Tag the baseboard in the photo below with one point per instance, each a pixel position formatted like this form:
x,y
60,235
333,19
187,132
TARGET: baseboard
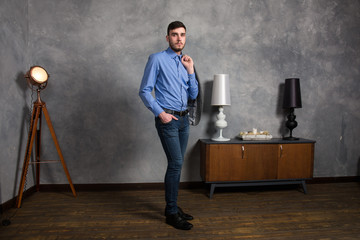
x,y
116,186
333,179
12,202
144,186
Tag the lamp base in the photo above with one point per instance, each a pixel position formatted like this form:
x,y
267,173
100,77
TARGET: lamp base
x,y
291,138
221,124
221,139
291,124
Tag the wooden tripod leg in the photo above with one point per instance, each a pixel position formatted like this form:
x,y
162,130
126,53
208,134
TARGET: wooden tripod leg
x,y
51,128
37,153
29,146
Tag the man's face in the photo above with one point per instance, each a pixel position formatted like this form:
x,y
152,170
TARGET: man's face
x,y
177,39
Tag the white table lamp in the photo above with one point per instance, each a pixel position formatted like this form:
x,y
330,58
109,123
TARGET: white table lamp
x,y
221,97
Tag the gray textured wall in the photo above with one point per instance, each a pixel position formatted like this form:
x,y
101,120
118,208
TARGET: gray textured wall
x,y
96,51
13,97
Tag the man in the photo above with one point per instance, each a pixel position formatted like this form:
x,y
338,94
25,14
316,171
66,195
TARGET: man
x,y
171,75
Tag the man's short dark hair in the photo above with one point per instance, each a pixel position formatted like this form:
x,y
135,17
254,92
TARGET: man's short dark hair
x,y
174,25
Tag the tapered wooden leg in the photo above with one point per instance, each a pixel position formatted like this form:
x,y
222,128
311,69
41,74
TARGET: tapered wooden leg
x,y
37,153
29,146
51,128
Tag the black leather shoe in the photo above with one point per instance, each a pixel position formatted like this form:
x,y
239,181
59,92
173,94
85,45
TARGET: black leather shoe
x,y
178,222
183,215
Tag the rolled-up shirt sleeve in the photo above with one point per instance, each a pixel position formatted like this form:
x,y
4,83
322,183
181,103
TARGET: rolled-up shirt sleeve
x,y
147,85
193,87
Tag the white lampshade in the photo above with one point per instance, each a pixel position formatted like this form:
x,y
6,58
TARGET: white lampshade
x,y
221,90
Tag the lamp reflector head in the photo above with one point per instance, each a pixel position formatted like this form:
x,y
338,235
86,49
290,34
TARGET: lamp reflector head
x,y
38,74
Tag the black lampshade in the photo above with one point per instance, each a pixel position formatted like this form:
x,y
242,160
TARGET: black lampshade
x,y
292,94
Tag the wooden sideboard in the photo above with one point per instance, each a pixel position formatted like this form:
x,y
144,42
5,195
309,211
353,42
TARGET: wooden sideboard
x,y
256,162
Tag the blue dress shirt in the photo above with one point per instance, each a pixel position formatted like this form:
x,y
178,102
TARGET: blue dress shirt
x,y
173,85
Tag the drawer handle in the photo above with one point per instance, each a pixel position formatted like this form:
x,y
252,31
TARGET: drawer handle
x,y
281,150
242,152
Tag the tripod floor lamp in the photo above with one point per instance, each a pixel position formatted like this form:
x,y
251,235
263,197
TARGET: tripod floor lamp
x,y
38,77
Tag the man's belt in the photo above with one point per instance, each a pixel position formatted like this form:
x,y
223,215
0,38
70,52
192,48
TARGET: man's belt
x,y
181,114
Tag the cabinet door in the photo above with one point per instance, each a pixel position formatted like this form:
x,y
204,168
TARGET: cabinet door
x,y
259,162
222,162
296,160
239,162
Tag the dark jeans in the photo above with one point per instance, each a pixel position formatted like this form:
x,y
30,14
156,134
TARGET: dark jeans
x,y
174,138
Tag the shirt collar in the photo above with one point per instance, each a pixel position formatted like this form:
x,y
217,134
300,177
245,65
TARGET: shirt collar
x,y
171,53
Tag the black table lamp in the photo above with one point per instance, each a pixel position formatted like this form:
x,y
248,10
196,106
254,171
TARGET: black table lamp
x,y
292,99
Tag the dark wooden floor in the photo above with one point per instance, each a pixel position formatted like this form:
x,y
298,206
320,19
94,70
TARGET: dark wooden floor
x,y
328,211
